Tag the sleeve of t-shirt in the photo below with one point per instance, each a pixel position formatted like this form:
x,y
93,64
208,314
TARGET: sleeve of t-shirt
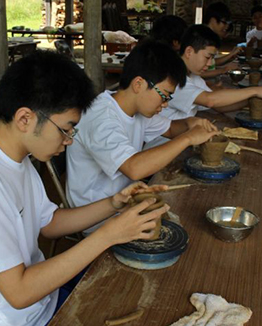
x,y
156,126
183,98
108,144
47,208
10,254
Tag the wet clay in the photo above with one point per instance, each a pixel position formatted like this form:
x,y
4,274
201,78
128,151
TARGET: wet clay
x,y
248,52
213,150
136,199
254,63
255,108
254,78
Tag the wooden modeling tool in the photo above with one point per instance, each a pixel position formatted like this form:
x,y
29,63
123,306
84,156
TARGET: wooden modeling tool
x,y
236,215
125,319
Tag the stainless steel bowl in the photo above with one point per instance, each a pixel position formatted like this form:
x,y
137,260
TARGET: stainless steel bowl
x,y
237,75
230,232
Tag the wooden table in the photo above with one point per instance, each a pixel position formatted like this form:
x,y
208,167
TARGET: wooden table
x,y
20,48
233,270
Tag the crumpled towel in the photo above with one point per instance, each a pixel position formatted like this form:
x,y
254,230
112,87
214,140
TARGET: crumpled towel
x,y
213,310
119,37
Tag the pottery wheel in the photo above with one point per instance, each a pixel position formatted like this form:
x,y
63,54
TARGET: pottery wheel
x,y
245,120
216,174
155,254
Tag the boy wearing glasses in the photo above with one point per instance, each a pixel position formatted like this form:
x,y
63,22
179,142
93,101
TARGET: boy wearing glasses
x,y
198,47
42,97
107,153
218,18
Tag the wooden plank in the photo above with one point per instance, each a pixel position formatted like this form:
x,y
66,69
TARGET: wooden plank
x,y
3,39
92,42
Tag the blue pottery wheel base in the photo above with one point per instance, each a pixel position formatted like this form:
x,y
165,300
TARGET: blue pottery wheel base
x,y
145,265
227,170
245,120
155,254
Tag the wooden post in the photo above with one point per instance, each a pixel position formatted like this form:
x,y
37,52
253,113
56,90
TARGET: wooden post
x,y
3,39
69,18
48,12
171,7
92,42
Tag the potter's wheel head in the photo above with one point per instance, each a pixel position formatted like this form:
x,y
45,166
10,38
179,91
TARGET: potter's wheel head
x,y
217,174
244,119
155,254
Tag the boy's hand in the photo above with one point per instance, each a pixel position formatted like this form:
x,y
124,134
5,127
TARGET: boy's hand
x,y
120,199
192,122
130,225
230,66
252,41
236,50
199,135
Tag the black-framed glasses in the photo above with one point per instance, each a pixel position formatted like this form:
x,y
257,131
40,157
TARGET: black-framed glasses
x,y
226,22
164,97
70,135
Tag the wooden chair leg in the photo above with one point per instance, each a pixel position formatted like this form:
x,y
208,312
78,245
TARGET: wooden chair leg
x,y
53,248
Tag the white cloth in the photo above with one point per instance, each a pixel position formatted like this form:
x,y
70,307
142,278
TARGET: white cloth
x,y
213,310
252,33
24,210
107,137
182,103
119,37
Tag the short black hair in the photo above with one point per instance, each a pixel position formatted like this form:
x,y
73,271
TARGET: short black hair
x,y
217,10
199,37
44,81
154,61
169,28
256,9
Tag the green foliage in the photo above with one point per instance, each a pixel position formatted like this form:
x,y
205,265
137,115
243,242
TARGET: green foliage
x,y
26,13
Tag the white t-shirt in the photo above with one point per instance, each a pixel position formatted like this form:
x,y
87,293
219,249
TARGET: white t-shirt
x,y
107,137
252,33
24,210
182,105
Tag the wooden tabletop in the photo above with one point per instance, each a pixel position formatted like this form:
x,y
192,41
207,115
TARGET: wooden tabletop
x,y
233,270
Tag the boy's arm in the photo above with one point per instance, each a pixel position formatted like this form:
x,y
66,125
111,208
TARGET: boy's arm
x,y
150,161
225,58
219,70
22,286
227,97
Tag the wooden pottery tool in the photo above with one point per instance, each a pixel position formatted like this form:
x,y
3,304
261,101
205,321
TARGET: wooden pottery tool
x,y
236,215
125,319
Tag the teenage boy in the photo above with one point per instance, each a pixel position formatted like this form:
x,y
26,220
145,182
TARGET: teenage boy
x,y
169,29
107,152
256,33
198,47
42,97
218,18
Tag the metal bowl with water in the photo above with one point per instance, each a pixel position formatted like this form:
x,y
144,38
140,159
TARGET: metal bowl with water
x,y
219,220
237,75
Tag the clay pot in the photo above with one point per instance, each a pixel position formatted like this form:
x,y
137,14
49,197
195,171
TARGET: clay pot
x,y
213,150
249,52
254,78
255,108
254,63
136,199
259,44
